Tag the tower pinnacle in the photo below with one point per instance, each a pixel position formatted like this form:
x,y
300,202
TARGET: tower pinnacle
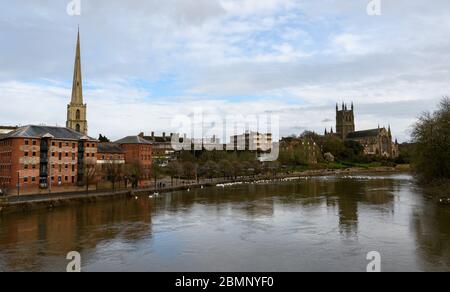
x,y
77,87
76,110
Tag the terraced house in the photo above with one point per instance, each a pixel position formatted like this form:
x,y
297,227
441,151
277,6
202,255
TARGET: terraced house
x,y
42,159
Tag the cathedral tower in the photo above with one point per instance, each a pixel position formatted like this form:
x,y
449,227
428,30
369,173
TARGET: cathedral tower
x,y
76,110
345,121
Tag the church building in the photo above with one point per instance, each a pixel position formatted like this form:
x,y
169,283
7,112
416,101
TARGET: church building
x,y
76,110
376,142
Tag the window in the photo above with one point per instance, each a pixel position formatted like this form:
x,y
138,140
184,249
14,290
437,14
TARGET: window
x,y
27,142
25,179
60,144
66,178
34,142
78,115
33,179
26,154
25,166
78,128
34,154
60,156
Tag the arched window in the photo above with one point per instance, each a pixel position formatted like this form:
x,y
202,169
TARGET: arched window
x,y
78,115
78,128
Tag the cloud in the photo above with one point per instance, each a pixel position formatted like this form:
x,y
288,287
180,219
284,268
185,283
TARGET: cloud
x,y
144,60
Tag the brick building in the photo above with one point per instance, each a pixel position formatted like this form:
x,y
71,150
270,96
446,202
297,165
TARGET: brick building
x,y
110,153
162,150
6,129
138,154
41,159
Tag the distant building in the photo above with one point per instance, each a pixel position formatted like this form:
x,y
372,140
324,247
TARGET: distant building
x,y
376,142
299,148
162,150
251,141
40,158
345,121
77,110
138,152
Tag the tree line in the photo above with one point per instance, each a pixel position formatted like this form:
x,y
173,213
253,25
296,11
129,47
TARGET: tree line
x,y
431,138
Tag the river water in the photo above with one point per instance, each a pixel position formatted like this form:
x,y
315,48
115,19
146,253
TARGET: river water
x,y
315,224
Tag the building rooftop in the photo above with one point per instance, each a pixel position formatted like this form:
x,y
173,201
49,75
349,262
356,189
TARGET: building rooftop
x,y
363,134
8,128
37,132
133,140
158,139
109,148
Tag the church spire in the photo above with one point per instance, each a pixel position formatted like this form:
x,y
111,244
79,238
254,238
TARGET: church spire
x,y
77,87
77,110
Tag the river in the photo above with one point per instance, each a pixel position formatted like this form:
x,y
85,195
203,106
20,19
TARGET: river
x,y
315,224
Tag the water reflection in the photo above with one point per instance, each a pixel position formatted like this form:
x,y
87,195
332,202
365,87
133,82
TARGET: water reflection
x,y
309,224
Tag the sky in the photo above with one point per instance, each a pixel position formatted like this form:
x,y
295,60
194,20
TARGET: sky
x,y
146,61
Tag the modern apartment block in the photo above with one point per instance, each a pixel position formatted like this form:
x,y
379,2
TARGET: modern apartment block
x,y
251,141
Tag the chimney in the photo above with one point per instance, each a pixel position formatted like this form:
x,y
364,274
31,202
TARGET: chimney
x,y
153,135
141,134
164,135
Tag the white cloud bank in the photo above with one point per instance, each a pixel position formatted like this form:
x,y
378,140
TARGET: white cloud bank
x,y
143,61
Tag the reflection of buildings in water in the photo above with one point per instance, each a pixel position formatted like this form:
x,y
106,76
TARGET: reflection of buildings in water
x,y
83,228
49,236
348,194
251,200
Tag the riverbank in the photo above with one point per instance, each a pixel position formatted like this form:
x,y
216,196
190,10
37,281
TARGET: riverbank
x,y
438,191
29,203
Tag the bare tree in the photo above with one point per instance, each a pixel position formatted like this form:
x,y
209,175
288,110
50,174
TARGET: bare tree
x,y
156,173
190,170
90,175
174,169
114,173
226,168
135,172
